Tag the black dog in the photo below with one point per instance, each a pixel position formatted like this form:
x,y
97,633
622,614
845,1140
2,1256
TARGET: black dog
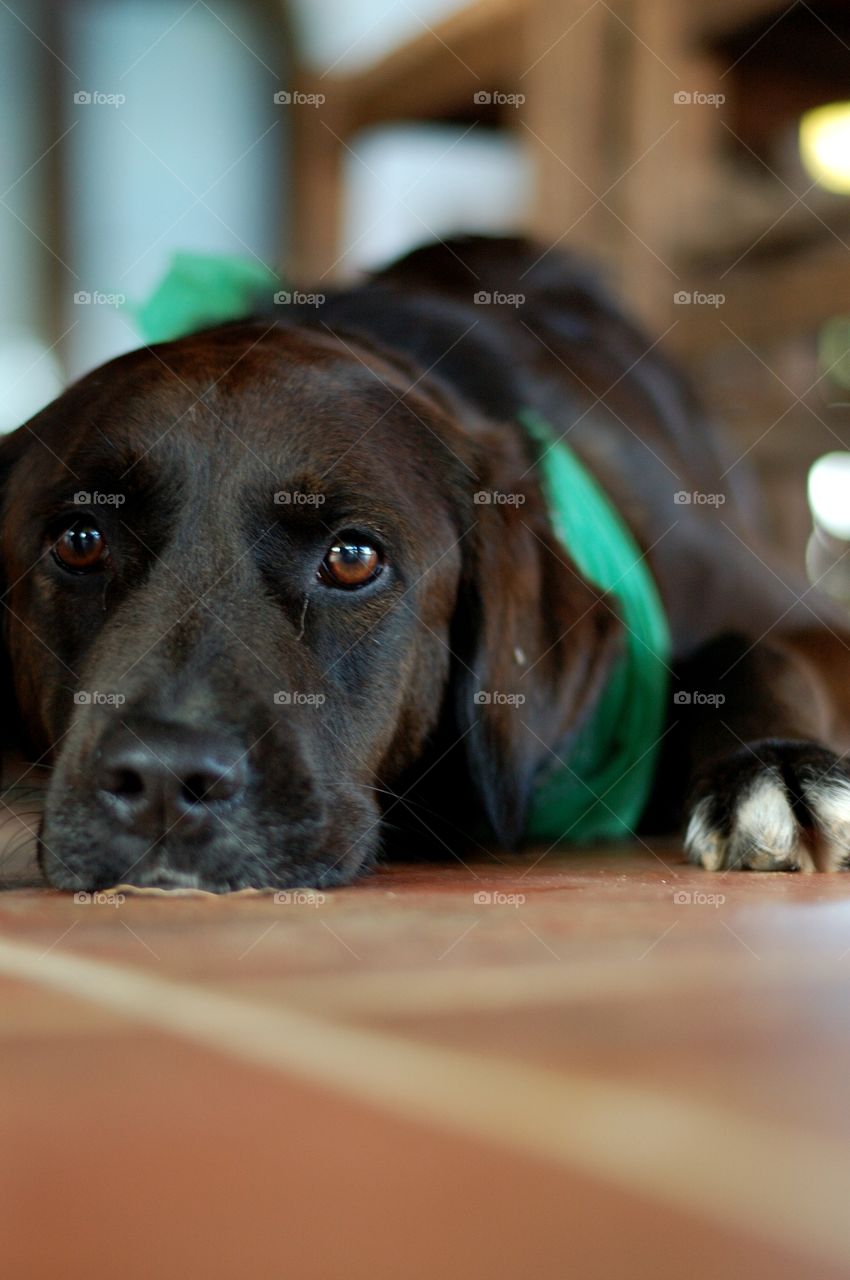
x,y
250,599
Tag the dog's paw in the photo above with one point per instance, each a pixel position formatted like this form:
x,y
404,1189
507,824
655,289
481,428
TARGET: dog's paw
x,y
772,806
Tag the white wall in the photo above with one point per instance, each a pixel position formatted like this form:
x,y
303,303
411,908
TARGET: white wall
x,y
191,159
29,371
411,183
348,34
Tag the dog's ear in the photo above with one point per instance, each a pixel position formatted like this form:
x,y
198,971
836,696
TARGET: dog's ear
x,y
533,642
12,448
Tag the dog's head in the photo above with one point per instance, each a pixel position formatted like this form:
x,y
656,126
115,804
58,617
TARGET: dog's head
x,y
249,579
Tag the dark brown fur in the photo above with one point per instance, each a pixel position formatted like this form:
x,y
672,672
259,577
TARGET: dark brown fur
x,y
396,402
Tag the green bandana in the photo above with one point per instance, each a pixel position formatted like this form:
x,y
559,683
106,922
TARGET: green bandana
x,y
601,790
200,290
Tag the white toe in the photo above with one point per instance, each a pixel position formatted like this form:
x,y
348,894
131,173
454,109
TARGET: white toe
x,y
703,842
765,833
829,801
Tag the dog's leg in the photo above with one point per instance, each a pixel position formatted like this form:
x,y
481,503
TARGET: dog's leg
x,y
768,728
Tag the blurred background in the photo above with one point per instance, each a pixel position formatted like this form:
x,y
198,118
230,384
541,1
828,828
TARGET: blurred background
x,y
699,153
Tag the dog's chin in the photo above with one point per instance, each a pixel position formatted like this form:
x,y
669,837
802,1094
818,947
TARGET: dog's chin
x,y
164,876
210,871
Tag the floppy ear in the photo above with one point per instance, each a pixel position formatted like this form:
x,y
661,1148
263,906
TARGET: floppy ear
x,y
534,642
12,447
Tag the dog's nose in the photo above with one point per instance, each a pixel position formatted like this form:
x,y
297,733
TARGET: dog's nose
x,y
153,775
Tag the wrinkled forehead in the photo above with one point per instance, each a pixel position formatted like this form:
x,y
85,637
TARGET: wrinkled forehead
x,y
245,412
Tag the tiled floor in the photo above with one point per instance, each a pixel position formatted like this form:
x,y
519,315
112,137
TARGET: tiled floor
x,y
602,1065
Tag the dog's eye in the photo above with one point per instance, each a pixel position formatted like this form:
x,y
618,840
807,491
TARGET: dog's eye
x,y
352,561
81,547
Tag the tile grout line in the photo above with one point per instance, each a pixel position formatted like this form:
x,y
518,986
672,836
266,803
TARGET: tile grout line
x,y
755,1177
503,989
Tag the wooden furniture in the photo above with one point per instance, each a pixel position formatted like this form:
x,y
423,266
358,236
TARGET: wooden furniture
x,y
666,195
704,197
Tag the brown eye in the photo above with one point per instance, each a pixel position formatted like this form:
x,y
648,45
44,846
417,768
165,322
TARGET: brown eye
x,y
351,562
81,547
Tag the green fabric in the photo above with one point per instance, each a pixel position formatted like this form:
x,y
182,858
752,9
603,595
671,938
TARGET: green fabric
x,y
600,791
200,290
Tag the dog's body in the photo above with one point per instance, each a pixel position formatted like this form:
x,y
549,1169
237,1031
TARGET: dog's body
x,y
290,668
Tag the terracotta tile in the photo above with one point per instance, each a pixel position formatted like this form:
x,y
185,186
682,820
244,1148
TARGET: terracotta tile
x,y
133,1152
26,1013
148,1157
